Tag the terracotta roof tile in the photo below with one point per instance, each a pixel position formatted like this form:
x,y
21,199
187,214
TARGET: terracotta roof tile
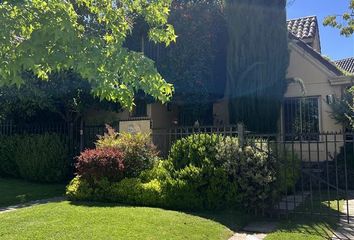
x,y
346,64
303,28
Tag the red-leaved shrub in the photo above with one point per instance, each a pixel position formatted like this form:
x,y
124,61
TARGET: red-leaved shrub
x,y
95,164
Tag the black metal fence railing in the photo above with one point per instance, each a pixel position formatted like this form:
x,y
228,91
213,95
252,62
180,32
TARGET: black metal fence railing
x,y
317,170
318,173
164,138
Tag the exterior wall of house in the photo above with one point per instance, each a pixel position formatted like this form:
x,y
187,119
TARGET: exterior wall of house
x,y
316,79
162,116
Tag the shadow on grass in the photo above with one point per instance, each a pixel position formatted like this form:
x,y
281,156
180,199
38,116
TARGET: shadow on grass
x,y
17,191
233,219
317,217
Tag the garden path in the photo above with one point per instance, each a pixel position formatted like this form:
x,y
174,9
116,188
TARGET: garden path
x,y
345,230
248,236
31,204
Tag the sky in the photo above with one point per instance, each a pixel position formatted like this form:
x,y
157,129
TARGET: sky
x,y
333,44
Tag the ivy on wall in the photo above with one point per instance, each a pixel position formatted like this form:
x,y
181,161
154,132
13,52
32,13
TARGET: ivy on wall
x,y
257,61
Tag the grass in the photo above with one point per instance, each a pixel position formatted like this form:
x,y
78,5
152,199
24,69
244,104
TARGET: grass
x,y
15,191
306,227
70,220
67,220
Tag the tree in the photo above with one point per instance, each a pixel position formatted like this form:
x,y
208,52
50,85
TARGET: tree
x,y
346,105
65,97
344,22
257,62
87,37
343,110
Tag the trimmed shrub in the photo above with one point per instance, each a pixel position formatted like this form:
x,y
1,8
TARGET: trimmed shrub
x,y
133,191
288,170
198,150
8,148
202,172
128,191
42,158
252,169
139,153
103,163
200,188
79,189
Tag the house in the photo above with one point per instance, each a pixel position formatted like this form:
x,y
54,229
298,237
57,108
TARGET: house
x,y
323,81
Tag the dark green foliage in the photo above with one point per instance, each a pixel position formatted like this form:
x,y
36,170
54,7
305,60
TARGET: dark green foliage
x,y
8,148
343,110
65,97
345,161
288,169
253,170
195,64
42,158
257,62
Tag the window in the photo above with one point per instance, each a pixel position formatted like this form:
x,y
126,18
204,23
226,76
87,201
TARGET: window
x,y
140,109
301,116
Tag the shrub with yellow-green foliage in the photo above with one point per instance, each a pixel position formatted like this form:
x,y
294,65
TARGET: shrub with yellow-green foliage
x,y
139,152
202,172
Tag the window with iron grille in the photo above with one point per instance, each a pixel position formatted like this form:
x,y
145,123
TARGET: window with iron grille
x,y
301,117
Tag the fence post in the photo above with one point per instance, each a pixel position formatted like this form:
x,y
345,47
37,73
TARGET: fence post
x,y
241,133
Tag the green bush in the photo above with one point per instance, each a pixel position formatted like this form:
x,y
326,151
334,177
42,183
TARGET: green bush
x,y
133,191
200,188
198,150
139,153
201,172
288,169
129,191
42,158
79,189
252,169
345,161
8,148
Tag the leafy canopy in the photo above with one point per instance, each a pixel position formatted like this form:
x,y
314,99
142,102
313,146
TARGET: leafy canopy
x,y
344,22
64,97
87,37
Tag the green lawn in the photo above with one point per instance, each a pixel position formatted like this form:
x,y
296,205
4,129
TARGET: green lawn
x,y
70,220
13,191
306,227
66,220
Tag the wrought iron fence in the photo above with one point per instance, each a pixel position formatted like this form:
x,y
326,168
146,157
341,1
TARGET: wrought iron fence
x,y
77,136
318,172
323,170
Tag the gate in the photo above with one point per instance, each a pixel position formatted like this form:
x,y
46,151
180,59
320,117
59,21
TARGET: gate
x,y
317,173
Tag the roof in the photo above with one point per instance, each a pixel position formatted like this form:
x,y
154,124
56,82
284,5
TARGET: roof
x,y
303,28
346,64
327,63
